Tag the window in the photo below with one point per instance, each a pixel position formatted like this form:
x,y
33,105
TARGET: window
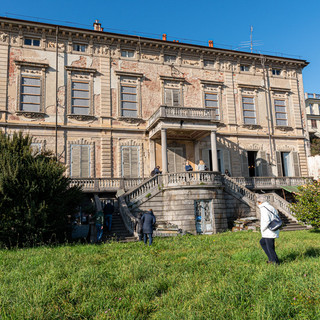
x,y
32,42
30,97
79,47
172,97
80,98
281,112
129,105
169,58
276,72
249,112
130,162
208,63
211,101
313,124
127,53
80,161
244,68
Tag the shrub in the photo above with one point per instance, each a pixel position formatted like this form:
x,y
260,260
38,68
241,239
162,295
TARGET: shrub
x,y
35,197
307,206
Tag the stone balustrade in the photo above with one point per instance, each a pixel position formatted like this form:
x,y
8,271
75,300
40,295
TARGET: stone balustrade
x,y
182,113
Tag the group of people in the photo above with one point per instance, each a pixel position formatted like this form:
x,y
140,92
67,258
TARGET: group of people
x,y
145,225
188,167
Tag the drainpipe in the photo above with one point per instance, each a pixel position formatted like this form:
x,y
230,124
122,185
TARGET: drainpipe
x,y
57,68
266,87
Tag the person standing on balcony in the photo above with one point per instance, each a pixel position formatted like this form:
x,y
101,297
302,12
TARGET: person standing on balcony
x,y
148,220
188,166
227,173
202,166
267,212
155,171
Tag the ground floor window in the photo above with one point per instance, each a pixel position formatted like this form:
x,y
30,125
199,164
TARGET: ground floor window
x,y
80,161
130,162
203,210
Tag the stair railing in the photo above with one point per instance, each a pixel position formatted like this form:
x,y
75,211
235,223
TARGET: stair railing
x,y
128,218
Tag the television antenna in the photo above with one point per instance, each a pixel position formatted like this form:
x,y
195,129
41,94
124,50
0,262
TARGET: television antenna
x,y
251,43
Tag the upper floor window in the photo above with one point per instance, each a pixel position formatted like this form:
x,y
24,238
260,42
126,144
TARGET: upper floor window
x,y
249,110
30,97
127,53
276,72
129,101
313,123
172,97
245,68
32,42
170,58
281,112
80,104
79,47
211,101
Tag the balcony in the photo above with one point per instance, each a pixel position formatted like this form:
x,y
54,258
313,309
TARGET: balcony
x,y
312,96
182,113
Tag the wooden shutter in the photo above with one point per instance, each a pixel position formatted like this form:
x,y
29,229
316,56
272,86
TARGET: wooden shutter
x,y
176,97
176,161
85,161
244,164
295,162
262,164
168,97
75,161
130,162
279,164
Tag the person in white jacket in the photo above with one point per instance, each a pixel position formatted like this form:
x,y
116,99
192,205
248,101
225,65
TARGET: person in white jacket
x,y
268,213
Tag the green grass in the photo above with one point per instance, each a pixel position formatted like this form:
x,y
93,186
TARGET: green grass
x,y
222,276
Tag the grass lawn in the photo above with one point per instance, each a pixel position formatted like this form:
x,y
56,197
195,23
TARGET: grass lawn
x,y
223,276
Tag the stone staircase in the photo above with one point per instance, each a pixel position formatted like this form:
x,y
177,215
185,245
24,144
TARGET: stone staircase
x,y
289,224
118,231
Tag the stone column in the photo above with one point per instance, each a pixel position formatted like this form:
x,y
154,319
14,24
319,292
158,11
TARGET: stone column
x,y
214,153
164,151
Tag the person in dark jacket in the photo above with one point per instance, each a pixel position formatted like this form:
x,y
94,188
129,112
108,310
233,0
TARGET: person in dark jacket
x,y
188,166
139,226
108,211
148,220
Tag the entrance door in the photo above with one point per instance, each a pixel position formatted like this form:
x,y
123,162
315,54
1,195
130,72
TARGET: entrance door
x,y
252,156
176,161
286,169
203,216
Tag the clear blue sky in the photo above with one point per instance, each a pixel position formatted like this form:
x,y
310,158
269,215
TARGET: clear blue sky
x,y
288,27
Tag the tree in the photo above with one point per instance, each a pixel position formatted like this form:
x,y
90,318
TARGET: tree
x,y
35,197
307,206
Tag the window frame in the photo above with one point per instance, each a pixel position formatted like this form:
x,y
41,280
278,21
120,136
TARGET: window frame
x,y
246,96
84,75
31,70
276,72
175,83
244,68
280,112
122,101
129,79
127,51
32,40
81,46
314,124
130,147
167,58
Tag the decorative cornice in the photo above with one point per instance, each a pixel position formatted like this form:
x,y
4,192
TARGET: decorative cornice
x,y
280,89
284,128
249,86
215,83
168,78
31,64
129,74
80,69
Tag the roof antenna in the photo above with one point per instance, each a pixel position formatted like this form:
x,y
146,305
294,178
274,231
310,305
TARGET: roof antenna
x,y
251,30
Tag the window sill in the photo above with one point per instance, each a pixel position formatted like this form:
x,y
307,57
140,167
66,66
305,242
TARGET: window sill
x,y
81,117
284,128
31,115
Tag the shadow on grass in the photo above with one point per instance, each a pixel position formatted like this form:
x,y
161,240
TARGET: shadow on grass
x,y
310,252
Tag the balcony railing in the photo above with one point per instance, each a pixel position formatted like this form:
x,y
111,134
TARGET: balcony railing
x,y
312,96
182,113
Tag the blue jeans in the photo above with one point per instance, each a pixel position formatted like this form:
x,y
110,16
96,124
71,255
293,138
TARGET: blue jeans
x,y
108,220
149,235
99,231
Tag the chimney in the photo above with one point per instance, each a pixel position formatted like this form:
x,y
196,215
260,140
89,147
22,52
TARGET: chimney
x,y
97,26
164,37
211,43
